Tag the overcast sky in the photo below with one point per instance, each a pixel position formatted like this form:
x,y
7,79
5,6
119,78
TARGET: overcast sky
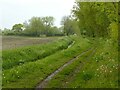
x,y
17,11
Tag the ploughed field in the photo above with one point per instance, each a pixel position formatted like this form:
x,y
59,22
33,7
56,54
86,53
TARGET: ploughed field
x,y
11,42
64,62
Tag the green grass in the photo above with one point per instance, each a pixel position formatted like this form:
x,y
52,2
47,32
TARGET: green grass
x,y
30,74
102,69
66,75
98,70
20,56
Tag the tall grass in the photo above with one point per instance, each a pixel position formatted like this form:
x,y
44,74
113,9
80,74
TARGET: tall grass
x,y
68,73
22,55
102,69
31,73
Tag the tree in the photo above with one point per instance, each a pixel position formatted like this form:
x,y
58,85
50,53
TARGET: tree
x,y
38,26
8,32
96,18
17,27
70,25
48,20
35,26
48,23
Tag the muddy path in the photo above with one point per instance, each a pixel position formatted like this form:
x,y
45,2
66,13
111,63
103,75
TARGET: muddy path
x,y
78,69
45,81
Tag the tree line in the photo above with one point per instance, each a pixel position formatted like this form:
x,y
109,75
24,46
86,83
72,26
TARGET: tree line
x,y
90,19
43,26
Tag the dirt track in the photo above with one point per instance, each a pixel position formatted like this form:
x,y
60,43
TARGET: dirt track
x,y
44,82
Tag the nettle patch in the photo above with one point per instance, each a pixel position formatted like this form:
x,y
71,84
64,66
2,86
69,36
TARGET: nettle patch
x,y
87,76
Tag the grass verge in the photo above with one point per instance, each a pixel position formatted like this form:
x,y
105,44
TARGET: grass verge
x,y
30,74
68,73
20,56
102,69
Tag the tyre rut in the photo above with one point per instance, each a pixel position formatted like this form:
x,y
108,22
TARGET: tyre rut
x,y
44,82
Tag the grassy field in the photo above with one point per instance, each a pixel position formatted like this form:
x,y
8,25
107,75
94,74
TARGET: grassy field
x,y
97,71
93,64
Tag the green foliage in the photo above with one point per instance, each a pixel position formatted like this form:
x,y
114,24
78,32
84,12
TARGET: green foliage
x,y
70,25
17,27
96,18
36,26
48,20
86,76
114,30
41,26
7,32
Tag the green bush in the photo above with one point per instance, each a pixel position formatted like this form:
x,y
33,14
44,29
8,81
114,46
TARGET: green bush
x,y
87,76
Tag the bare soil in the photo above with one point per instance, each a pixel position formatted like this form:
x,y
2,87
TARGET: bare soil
x,y
11,42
